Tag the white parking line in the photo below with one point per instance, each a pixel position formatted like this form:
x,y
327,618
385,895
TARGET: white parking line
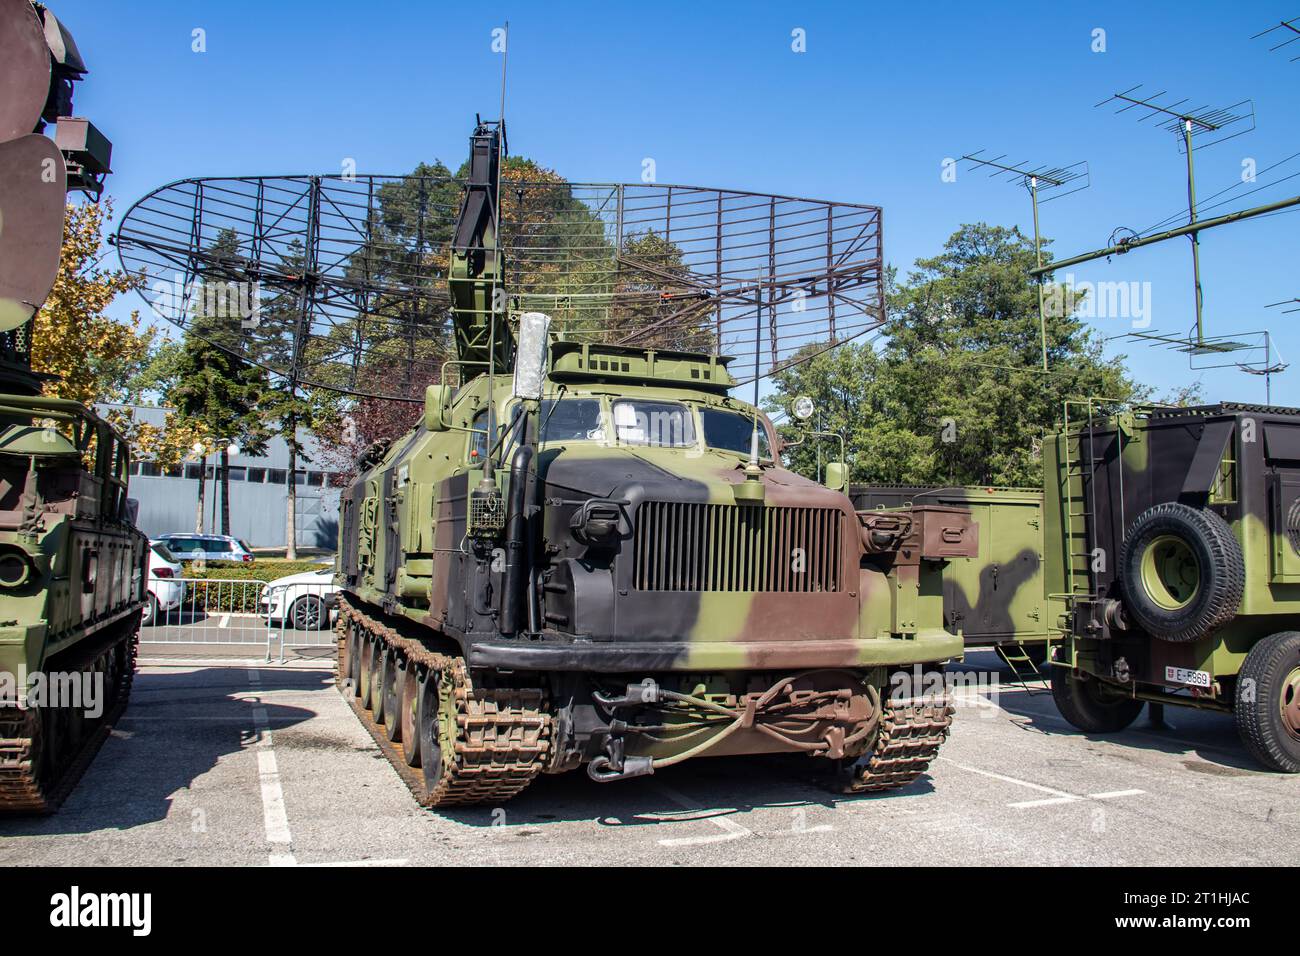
x,y
275,819
731,829
1057,797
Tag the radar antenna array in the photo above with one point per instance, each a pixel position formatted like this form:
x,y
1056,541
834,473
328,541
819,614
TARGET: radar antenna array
x,y
340,282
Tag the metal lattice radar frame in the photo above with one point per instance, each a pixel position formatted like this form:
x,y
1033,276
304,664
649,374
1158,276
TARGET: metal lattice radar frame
x,y
341,282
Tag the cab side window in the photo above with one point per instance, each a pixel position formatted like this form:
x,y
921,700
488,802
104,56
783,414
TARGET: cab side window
x,y
478,444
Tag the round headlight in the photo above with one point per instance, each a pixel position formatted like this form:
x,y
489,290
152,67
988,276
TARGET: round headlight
x,y
15,568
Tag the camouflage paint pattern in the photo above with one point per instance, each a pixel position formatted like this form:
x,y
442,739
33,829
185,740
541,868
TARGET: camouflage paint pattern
x,y
999,596
1240,461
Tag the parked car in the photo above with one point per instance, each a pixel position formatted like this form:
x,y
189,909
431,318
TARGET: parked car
x,y
209,547
166,593
301,601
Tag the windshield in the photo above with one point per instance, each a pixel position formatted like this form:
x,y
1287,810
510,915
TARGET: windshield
x,y
657,424
570,419
732,432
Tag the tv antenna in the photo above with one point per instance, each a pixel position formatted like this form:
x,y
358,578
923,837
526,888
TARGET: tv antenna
x,y
1290,34
1203,126
1037,180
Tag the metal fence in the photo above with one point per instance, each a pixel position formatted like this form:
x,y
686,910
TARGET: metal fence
x,y
195,613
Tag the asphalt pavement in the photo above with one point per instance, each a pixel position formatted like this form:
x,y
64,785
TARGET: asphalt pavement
x,y
234,761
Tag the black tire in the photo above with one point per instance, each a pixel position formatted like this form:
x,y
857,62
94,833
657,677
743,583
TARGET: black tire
x,y
1182,572
149,616
1090,705
1267,705
308,613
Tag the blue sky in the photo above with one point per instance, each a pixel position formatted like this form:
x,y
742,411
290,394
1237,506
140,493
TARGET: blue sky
x,y
716,96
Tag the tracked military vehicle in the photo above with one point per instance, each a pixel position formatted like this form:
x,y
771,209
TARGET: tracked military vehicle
x,y
587,552
638,583
1174,536
71,560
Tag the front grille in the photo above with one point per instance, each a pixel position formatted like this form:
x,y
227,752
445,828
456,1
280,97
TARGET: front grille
x,y
685,546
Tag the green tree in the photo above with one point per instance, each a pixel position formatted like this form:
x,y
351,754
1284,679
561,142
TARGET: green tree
x,y
214,391
956,393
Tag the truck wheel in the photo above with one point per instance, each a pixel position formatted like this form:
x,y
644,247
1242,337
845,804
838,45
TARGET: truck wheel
x,y
1182,572
1267,702
1090,705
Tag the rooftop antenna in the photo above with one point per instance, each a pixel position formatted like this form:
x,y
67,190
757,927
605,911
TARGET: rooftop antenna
x,y
1203,124
1268,368
1037,180
1290,33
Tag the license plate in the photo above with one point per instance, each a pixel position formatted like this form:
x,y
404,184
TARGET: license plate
x,y
1181,675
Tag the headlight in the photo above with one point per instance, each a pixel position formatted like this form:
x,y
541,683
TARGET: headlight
x,y
15,567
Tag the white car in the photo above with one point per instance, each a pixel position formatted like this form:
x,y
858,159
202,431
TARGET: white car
x,y
301,601
165,592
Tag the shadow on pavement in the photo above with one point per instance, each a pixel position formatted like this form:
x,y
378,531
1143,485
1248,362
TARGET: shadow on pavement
x,y
163,743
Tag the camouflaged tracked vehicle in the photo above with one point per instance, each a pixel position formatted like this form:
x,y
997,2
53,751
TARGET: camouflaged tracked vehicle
x,y
639,582
1174,536
71,560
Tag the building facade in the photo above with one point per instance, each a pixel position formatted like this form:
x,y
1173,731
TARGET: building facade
x,y
259,492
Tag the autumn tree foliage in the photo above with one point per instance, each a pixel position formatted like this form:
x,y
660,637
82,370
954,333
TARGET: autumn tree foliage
x,y
89,356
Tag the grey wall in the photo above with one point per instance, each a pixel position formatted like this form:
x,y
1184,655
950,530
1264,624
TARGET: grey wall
x,y
257,509
257,512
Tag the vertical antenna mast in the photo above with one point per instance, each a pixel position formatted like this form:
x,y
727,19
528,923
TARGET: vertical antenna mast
x,y
1188,124
1038,180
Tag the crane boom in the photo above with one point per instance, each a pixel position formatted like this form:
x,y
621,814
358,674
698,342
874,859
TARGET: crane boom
x,y
476,276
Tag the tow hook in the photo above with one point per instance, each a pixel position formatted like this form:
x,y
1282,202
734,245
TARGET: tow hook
x,y
602,770
613,765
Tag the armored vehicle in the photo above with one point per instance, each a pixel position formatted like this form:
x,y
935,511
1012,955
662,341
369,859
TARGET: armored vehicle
x,y
71,560
632,592
1174,538
586,552
642,583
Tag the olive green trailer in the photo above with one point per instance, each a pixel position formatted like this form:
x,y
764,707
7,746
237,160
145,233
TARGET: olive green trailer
x,y
1174,543
999,597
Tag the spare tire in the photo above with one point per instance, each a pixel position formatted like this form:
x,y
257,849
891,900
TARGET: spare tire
x,y
1181,571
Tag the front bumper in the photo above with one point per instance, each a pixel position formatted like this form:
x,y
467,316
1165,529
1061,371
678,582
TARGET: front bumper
x,y
928,646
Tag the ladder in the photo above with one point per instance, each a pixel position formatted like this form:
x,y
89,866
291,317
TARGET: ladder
x,y
1023,668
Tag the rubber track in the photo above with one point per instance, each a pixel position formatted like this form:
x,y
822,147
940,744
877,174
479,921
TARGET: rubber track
x,y
20,789
503,735
911,733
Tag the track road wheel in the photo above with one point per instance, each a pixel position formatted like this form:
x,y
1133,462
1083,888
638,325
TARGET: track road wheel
x,y
1090,704
345,651
1182,572
394,672
412,683
356,650
1267,707
377,663
364,682
434,743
